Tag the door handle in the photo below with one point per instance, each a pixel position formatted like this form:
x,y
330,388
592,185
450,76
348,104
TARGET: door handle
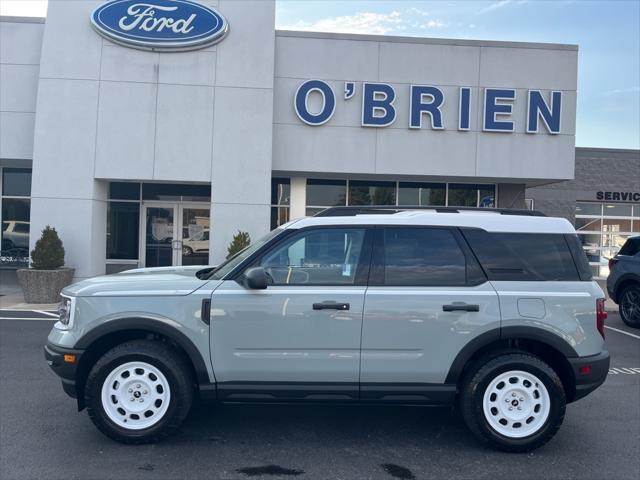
x,y
330,305
460,307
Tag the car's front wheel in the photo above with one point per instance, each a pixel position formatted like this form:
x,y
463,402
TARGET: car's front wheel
x,y
629,305
514,402
139,391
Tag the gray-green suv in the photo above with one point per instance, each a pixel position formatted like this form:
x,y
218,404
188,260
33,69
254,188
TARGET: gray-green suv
x,y
491,311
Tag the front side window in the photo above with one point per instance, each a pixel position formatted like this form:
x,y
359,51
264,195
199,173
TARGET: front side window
x,y
328,256
422,257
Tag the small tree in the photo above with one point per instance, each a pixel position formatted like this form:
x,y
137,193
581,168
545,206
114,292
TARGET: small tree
x,y
48,253
241,240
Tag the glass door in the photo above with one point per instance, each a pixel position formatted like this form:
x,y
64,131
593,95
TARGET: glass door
x,y
194,234
175,234
159,242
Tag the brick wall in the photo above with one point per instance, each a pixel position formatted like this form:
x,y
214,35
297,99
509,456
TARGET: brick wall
x,y
596,170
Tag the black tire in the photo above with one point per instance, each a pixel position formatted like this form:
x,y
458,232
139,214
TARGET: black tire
x,y
187,251
171,364
629,305
479,378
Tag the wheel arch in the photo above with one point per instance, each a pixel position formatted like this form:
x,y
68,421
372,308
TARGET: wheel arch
x,y
550,347
623,282
114,332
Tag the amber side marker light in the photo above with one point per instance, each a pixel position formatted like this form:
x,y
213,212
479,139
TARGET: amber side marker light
x,y
69,359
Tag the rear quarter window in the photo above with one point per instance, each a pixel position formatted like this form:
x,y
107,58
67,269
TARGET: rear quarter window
x,y
631,247
523,256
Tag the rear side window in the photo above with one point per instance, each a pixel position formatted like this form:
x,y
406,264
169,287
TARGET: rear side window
x,y
523,256
419,257
631,247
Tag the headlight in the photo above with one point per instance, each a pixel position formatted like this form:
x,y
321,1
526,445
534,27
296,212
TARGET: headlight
x,y
65,314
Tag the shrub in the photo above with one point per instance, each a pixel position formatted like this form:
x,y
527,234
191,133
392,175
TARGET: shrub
x,y
48,253
241,240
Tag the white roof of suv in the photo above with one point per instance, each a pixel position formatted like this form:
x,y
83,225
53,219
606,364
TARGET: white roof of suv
x,y
491,221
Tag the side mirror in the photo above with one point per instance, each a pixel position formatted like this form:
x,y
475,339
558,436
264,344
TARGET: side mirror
x,y
255,278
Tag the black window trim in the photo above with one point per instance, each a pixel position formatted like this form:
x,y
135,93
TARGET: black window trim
x,y
362,270
376,273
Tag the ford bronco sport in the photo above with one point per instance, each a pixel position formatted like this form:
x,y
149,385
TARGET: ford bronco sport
x,y
492,311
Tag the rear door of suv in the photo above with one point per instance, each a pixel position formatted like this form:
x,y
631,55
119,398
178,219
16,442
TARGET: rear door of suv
x,y
427,299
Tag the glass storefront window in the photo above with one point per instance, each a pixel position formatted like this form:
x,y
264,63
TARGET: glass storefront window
x,y
15,216
124,191
16,182
326,193
422,194
176,192
588,208
372,193
280,191
123,223
472,195
616,210
589,224
603,229
279,216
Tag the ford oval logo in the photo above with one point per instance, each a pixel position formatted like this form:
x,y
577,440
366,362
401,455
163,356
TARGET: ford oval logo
x,y
163,25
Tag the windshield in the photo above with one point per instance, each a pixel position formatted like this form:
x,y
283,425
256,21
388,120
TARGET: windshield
x,y
239,257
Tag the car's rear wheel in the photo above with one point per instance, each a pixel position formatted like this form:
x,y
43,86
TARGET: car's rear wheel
x,y
629,305
514,402
139,391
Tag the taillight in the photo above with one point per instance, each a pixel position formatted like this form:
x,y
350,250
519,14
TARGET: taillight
x,y
612,262
601,315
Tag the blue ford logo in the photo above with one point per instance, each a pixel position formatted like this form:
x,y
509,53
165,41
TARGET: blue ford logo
x,y
162,25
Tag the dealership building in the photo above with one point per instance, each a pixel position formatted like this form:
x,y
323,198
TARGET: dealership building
x,y
154,151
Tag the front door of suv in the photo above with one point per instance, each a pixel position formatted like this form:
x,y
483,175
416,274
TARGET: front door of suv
x,y
427,299
300,337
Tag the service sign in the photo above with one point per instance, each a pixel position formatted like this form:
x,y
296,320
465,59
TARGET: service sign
x,y
161,25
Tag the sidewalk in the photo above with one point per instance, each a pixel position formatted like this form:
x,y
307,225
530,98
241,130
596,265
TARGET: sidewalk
x,y
11,296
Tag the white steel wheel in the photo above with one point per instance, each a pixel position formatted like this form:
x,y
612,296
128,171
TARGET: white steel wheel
x,y
135,395
516,404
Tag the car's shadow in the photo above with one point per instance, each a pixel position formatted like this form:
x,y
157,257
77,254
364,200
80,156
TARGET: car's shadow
x,y
324,424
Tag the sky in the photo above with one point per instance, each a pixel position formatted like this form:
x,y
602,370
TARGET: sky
x,y
607,32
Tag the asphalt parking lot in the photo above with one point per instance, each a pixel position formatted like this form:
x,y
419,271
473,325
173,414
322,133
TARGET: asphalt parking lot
x,y
42,436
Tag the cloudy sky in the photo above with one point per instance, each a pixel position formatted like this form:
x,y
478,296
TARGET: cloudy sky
x,y
607,32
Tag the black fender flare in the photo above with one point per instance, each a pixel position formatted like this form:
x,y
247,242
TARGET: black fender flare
x,y
506,333
152,326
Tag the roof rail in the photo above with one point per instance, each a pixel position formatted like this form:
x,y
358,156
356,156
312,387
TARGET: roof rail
x,y
391,209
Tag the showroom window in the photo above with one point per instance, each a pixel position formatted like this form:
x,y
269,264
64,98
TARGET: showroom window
x,y
422,194
603,228
280,201
15,208
471,195
123,220
323,194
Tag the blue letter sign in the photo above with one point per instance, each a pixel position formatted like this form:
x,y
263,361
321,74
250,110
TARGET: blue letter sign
x,y
492,108
163,25
538,108
372,104
417,107
328,102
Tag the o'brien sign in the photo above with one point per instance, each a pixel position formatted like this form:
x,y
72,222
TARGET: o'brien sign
x,y
378,109
163,25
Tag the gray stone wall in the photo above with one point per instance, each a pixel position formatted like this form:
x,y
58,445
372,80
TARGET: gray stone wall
x,y
596,170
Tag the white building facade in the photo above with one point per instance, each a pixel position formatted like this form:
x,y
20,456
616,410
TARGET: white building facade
x,y
151,158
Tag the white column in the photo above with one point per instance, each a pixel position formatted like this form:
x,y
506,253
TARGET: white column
x,y
298,198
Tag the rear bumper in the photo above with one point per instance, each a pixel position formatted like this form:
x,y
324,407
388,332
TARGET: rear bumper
x,y
66,370
598,367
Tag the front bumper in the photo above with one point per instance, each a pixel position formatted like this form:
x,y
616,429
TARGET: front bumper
x,y
62,366
598,368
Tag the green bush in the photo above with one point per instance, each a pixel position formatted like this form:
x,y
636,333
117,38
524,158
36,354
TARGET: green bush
x,y
241,240
48,253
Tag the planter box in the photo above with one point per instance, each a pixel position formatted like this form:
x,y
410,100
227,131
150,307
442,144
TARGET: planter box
x,y
44,286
